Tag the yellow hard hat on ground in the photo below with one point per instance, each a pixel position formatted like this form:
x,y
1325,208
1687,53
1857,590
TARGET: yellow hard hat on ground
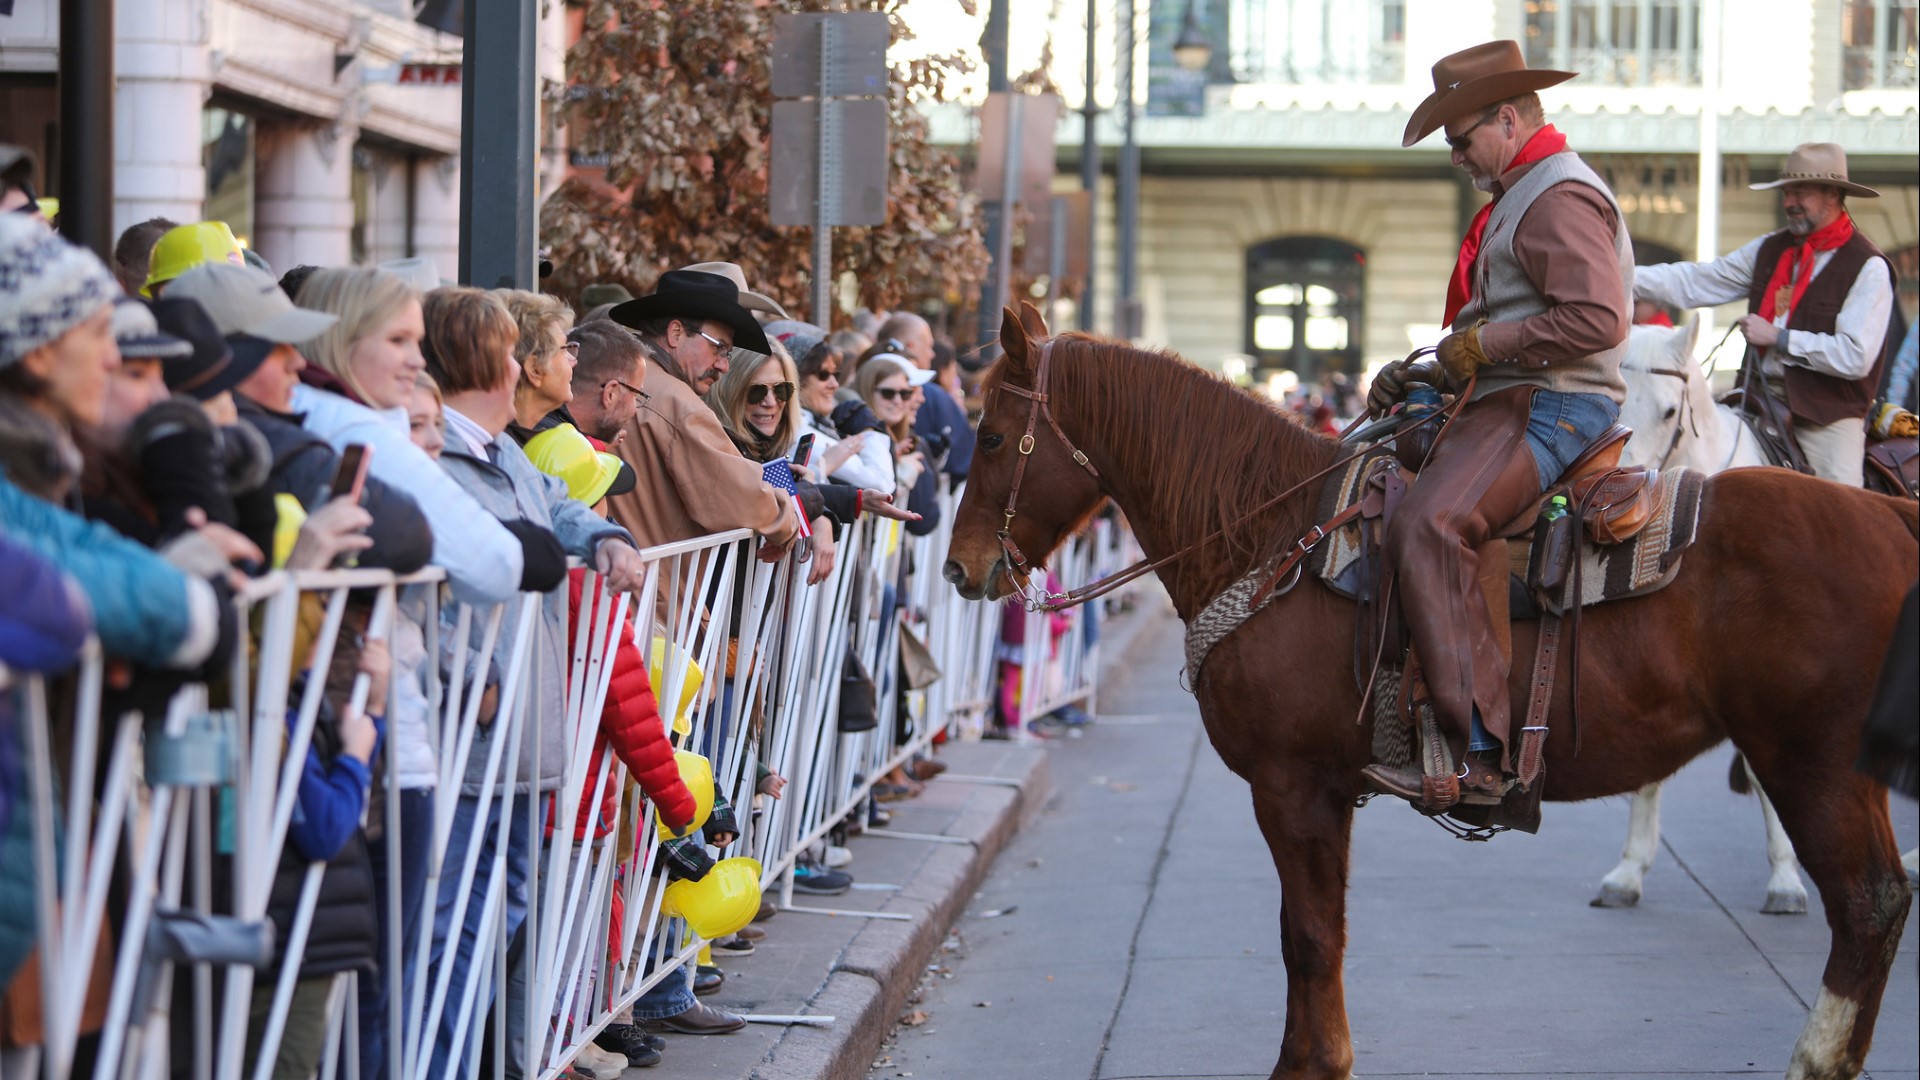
x,y
722,902
697,773
184,247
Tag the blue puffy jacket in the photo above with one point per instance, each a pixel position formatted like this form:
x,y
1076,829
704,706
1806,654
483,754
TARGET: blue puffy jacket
x,y
144,609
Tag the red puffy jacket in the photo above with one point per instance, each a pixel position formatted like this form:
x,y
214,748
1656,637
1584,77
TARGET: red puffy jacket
x,y
629,722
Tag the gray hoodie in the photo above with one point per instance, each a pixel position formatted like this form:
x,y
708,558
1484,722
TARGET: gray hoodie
x,y
509,489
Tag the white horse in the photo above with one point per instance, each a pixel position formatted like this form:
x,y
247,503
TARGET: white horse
x,y
1676,422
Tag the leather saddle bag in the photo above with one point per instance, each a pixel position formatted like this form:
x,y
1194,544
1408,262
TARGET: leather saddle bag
x,y
1618,503
1893,467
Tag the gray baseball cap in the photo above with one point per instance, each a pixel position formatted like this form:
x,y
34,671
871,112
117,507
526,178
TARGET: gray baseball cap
x,y
243,300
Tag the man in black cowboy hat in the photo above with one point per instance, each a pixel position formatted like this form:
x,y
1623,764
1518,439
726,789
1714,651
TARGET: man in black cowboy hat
x,y
1539,305
1818,295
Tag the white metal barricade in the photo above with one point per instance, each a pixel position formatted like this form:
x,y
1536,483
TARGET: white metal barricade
x,y
751,657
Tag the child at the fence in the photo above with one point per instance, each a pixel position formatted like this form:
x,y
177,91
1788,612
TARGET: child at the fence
x,y
1011,655
334,786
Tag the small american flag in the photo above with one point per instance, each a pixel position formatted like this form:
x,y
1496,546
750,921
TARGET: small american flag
x,y
778,473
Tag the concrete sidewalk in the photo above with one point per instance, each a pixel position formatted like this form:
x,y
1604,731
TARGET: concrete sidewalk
x,y
861,971
1134,933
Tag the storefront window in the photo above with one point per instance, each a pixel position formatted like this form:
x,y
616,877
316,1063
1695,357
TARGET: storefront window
x,y
226,151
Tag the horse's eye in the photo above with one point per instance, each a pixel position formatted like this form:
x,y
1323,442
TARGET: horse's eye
x,y
1671,409
992,442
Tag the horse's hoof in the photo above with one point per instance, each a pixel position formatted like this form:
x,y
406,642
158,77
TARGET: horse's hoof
x,y
1612,896
1784,903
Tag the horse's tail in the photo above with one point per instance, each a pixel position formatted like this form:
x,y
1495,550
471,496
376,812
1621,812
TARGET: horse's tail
x,y
1739,781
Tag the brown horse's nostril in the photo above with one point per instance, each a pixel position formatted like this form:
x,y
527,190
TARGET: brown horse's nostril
x,y
954,573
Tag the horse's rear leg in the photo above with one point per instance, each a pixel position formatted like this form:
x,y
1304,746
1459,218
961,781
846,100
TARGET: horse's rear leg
x,y
1309,827
1786,893
1838,822
1621,887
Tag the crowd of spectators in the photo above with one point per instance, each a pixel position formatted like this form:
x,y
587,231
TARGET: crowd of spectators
x,y
180,421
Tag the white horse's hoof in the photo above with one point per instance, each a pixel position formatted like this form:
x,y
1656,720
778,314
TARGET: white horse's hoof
x,y
1613,896
1784,903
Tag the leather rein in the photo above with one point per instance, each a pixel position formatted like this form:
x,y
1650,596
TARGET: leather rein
x,y
1014,562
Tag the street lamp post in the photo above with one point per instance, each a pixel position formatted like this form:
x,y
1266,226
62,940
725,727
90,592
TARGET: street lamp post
x,y
1192,50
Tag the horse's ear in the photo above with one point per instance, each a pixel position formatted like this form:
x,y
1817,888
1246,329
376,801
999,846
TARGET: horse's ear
x,y
1030,319
1013,341
1693,334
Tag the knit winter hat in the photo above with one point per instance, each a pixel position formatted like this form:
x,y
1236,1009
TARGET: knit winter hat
x,y
47,286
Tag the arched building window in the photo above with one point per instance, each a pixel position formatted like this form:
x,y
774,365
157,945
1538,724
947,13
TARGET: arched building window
x,y
1305,299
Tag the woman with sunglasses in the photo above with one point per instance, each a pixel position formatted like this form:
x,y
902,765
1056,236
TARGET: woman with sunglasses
x,y
844,449
890,385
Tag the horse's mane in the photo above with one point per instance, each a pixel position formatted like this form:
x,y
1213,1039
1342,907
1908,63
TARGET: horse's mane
x,y
1213,450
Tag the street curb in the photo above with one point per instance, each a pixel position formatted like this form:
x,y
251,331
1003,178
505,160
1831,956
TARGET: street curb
x,y
869,983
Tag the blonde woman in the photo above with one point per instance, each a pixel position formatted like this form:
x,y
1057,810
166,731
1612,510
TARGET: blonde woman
x,y
357,389
757,405
546,360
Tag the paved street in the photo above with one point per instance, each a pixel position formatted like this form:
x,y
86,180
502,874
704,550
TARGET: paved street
x,y
1139,935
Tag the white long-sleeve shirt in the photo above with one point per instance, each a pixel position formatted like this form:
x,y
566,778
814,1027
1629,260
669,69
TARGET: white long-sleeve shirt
x,y
1859,330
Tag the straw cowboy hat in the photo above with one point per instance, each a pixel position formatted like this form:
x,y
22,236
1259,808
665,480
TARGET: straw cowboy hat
x,y
749,299
1472,79
1818,163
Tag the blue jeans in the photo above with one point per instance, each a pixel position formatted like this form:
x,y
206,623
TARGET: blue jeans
x,y
1562,425
467,829
416,844
670,996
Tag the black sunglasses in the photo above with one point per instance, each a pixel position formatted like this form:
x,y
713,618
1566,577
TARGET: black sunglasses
x,y
757,393
1459,143
892,394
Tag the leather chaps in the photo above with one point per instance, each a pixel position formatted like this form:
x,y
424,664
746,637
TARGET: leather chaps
x,y
1480,477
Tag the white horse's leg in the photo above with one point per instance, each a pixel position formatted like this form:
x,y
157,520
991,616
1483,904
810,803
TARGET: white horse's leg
x,y
1621,886
1786,893
1911,860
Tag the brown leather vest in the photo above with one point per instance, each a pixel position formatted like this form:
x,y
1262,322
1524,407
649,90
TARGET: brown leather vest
x,y
1812,397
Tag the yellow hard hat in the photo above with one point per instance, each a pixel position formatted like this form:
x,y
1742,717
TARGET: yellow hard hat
x,y
289,515
697,773
565,453
724,901
689,687
184,247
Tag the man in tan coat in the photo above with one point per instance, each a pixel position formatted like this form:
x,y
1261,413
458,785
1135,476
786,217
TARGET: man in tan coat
x,y
692,482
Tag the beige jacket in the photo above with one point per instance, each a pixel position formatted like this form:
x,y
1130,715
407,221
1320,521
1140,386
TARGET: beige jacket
x,y
692,481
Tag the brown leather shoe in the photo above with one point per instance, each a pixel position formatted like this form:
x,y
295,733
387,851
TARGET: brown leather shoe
x,y
702,1019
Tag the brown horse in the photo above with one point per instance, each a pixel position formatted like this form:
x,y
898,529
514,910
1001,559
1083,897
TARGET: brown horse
x,y
1802,578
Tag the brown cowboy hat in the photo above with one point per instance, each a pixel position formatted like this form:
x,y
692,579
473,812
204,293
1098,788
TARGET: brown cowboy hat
x,y
1472,79
1818,163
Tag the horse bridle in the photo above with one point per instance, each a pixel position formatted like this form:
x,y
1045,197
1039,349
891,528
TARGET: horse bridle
x,y
1014,562
1013,559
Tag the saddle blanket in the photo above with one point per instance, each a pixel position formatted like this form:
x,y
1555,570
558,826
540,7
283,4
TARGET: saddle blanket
x,y
1644,563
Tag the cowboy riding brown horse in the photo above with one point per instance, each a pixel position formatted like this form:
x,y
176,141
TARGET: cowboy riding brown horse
x,y
1074,420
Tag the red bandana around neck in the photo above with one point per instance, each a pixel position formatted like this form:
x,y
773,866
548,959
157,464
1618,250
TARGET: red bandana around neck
x,y
1796,265
1545,143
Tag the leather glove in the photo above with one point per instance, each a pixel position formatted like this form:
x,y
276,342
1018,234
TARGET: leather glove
x,y
1460,354
1389,387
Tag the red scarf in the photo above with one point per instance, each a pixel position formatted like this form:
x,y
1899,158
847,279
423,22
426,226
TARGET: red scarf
x,y
1545,143
1799,268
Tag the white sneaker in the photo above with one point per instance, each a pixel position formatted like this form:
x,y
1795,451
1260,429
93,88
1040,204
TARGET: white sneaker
x,y
601,1064
837,857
